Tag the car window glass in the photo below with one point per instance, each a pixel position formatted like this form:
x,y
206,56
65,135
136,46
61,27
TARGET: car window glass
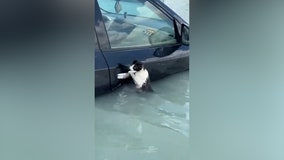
x,y
136,23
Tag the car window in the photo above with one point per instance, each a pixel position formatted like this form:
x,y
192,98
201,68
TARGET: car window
x,y
136,23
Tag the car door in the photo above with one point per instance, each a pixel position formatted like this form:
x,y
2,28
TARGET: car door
x,y
140,30
102,76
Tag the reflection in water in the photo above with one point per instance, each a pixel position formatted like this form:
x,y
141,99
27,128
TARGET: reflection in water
x,y
143,122
168,109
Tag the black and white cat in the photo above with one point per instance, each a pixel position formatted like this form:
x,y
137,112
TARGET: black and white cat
x,y
140,76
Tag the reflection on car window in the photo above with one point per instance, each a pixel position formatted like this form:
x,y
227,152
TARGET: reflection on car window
x,y
136,23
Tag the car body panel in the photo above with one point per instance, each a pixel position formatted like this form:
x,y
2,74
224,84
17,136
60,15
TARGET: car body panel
x,y
102,79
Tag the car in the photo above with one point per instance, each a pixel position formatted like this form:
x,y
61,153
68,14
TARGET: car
x,y
144,30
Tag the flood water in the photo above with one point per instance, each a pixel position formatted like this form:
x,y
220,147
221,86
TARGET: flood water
x,y
144,126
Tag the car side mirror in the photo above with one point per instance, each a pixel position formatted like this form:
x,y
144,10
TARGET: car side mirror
x,y
185,34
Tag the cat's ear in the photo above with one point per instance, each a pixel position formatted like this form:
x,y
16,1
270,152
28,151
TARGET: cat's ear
x,y
135,61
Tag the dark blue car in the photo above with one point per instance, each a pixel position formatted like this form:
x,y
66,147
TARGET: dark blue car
x,y
143,30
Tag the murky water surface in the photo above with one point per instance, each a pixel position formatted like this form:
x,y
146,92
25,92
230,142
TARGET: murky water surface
x,y
129,125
